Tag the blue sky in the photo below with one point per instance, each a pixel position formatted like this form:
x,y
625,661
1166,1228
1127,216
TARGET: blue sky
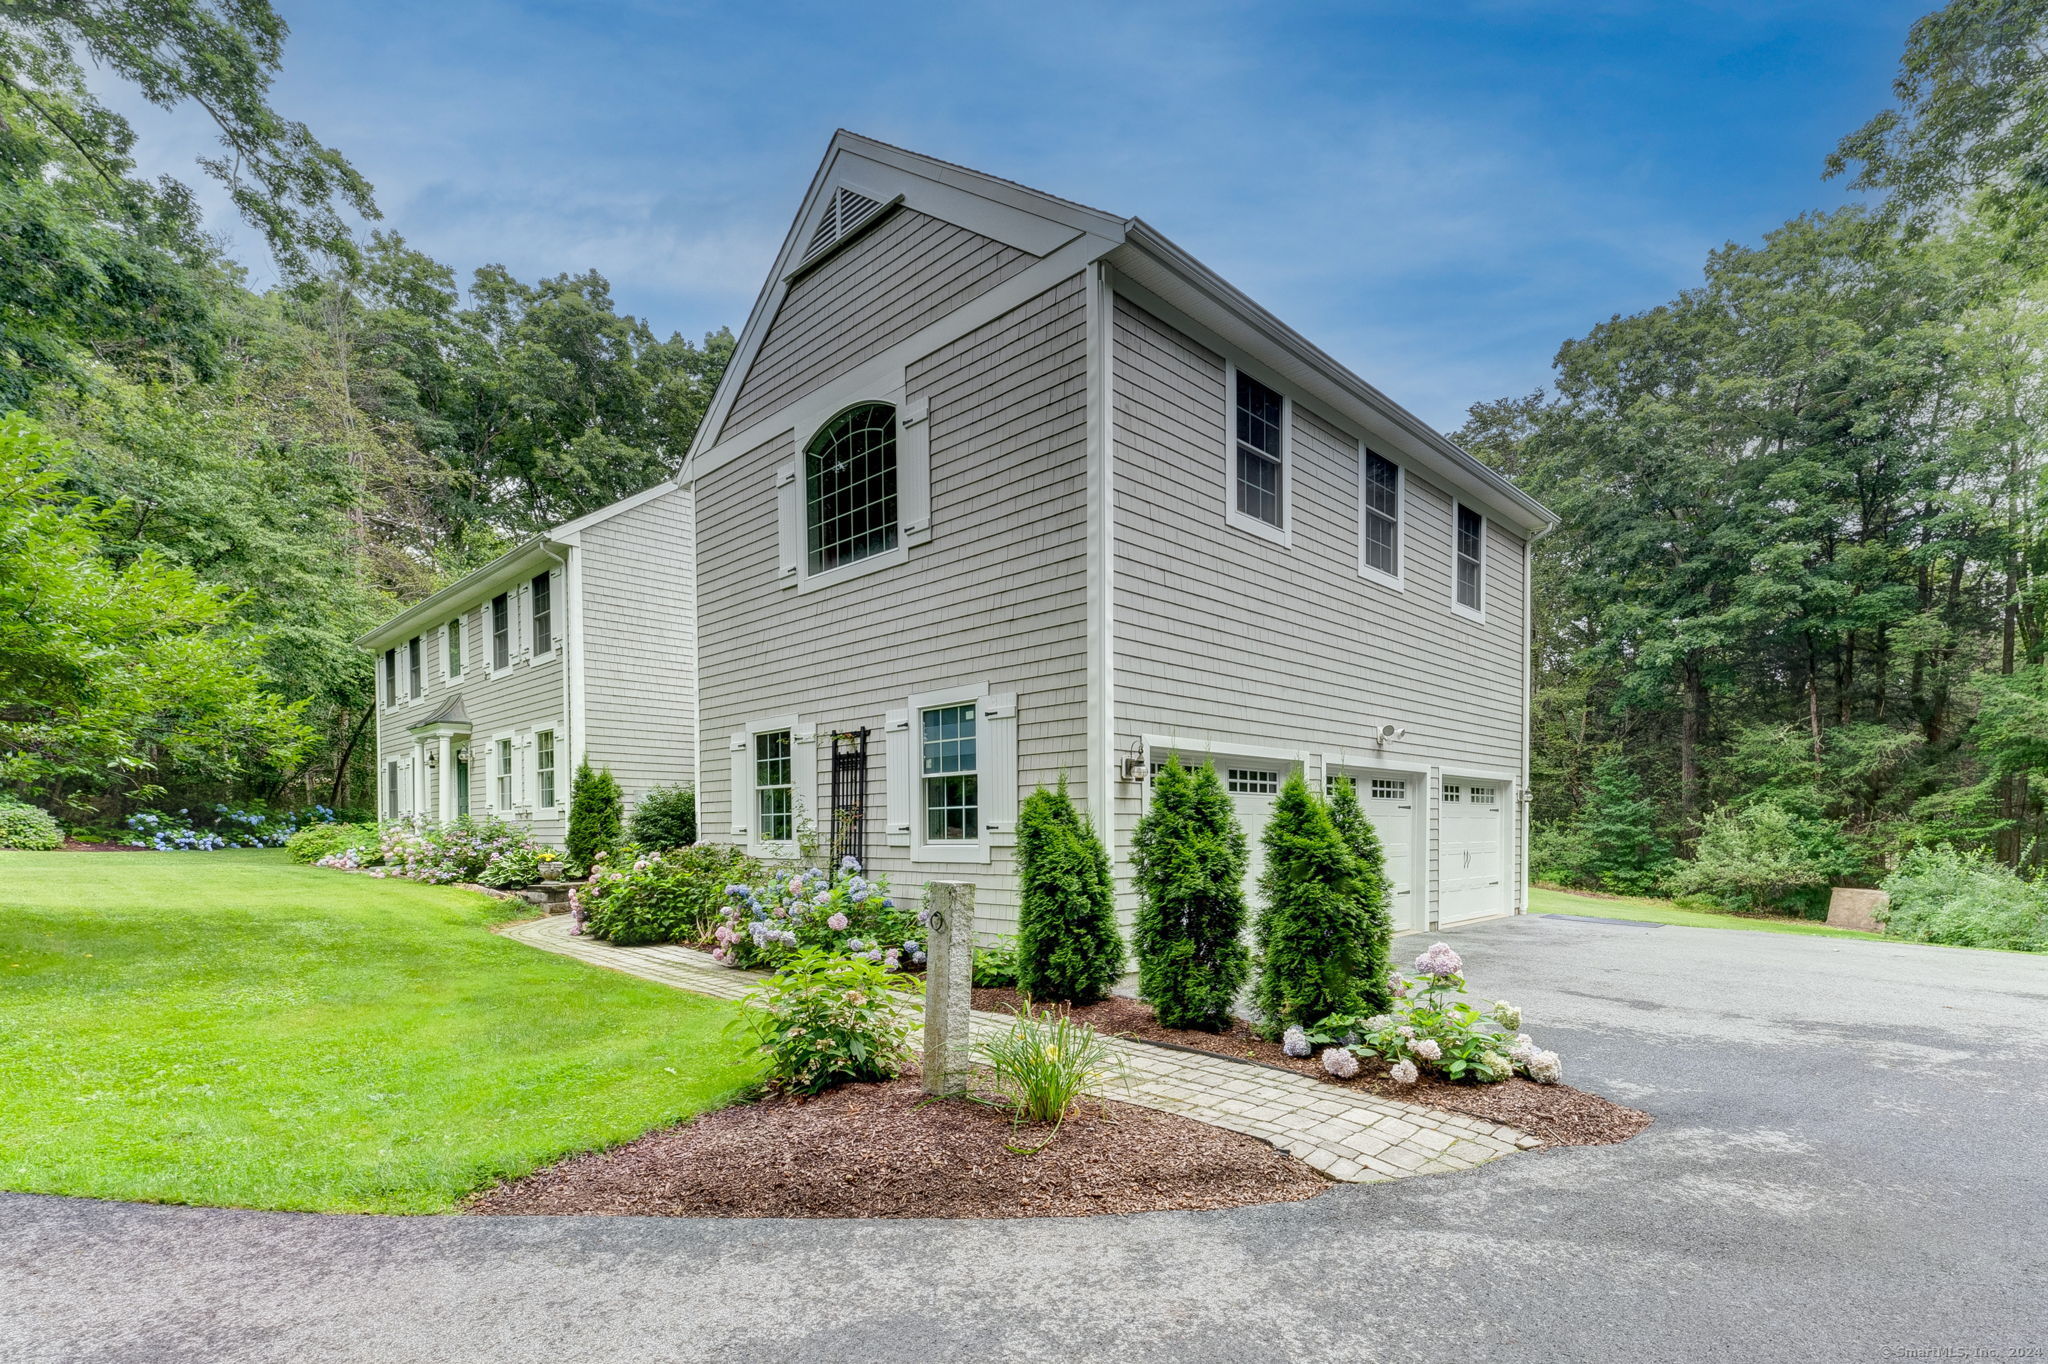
x,y
1438,194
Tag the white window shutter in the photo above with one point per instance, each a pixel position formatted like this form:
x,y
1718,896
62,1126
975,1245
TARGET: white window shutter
x,y
914,470
899,751
999,784
789,523
742,784
803,779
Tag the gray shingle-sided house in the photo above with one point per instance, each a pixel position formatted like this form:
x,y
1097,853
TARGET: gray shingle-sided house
x,y
1000,488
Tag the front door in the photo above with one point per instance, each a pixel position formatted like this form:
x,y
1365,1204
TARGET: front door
x,y
462,786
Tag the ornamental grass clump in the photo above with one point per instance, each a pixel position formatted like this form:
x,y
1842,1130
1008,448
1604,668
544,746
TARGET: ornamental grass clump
x,y
1312,932
1188,858
1046,1062
843,911
825,1020
1069,948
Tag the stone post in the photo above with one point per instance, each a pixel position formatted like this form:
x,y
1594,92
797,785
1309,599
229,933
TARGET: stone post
x,y
948,985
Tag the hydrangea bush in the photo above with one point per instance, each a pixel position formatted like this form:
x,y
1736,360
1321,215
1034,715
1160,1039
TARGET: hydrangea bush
x,y
826,1020
28,827
844,912
1433,1026
210,828
648,896
488,852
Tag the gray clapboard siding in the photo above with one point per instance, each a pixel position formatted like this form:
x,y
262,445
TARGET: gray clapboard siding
x,y
638,634
905,272
998,595
1227,636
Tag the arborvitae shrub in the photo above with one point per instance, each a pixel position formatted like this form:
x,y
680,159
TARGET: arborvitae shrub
x,y
666,817
1311,931
1068,947
1375,897
595,815
1189,856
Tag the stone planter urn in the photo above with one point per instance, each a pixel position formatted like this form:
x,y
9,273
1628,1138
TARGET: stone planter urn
x,y
550,871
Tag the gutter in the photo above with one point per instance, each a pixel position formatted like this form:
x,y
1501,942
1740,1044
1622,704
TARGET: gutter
x,y
402,625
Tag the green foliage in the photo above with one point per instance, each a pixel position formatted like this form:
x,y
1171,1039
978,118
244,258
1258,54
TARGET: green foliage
x,y
1614,844
1188,860
1046,1062
1312,933
316,841
596,815
843,912
666,817
28,827
1069,949
823,1020
1374,894
995,968
1964,899
1759,857
1433,1027
677,895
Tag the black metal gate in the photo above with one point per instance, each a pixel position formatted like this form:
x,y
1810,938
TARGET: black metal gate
x,y
850,796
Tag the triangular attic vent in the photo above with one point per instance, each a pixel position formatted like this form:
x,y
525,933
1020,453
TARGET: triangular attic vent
x,y
847,211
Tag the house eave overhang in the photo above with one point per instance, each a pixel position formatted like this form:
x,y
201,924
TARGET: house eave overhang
x,y
1156,265
523,560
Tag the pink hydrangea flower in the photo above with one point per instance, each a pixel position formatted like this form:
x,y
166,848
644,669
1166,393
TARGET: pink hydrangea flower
x,y
1440,960
1428,1049
1340,1062
837,923
1404,1073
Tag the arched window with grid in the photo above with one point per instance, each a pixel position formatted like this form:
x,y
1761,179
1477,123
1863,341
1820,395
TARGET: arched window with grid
x,y
850,487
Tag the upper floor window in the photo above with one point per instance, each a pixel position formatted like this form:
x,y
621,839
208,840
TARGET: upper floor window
x,y
850,504
1380,515
1261,452
774,786
391,677
952,773
416,681
1471,563
543,612
501,631
452,649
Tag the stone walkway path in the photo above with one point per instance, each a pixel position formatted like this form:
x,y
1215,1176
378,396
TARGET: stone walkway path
x,y
1350,1136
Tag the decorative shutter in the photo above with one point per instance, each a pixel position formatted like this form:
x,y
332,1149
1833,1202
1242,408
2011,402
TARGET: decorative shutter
x,y
742,785
789,524
803,781
899,751
999,799
914,469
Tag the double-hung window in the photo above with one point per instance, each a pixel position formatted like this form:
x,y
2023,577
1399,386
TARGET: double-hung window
x,y
391,677
1379,525
1259,453
850,495
951,765
544,769
415,673
451,649
543,613
1471,560
391,810
501,772
774,786
501,632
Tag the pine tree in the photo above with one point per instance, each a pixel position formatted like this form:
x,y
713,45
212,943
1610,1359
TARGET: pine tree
x,y
1625,853
1375,897
1311,932
1069,949
596,812
1189,857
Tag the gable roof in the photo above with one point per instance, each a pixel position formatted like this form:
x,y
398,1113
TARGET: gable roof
x,y
1160,272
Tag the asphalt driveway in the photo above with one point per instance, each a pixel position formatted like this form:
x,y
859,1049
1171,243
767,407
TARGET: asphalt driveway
x,y
1848,1163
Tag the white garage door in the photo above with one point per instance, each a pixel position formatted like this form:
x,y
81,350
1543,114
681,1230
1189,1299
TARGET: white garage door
x,y
1253,787
1474,871
1390,800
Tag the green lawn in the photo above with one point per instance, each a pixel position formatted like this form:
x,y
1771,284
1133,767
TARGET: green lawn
x,y
228,1028
1544,901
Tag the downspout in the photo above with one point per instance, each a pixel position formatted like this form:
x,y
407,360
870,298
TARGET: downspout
x,y
1103,782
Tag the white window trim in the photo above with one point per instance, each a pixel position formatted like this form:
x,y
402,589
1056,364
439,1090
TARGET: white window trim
x,y
1397,580
913,491
387,679
952,850
490,624
1283,534
492,803
406,667
1457,606
554,578
803,782
553,811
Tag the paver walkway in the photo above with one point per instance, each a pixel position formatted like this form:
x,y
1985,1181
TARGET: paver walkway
x,y
1350,1136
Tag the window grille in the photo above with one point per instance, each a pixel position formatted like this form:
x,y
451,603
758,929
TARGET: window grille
x,y
1471,541
1389,788
1382,527
1259,414
1481,795
1453,794
454,648
850,487
415,682
774,793
1252,781
543,612
952,787
544,769
501,631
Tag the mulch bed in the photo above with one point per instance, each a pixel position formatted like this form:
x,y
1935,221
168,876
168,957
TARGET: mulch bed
x,y
1558,1115
73,845
883,1150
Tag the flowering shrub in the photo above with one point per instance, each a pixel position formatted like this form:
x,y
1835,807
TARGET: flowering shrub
x,y
28,827
844,913
652,896
316,841
1432,1024
212,827
489,852
826,1020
